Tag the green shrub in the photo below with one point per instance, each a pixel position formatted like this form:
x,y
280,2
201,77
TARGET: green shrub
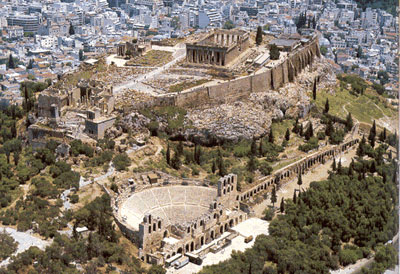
x,y
121,161
74,198
310,145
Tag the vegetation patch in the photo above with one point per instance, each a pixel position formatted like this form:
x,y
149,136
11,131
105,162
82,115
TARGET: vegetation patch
x,y
325,229
151,59
186,85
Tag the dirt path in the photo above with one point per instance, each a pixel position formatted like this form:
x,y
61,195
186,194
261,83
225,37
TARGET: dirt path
x,y
317,174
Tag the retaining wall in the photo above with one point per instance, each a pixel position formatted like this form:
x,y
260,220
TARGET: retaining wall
x,y
273,78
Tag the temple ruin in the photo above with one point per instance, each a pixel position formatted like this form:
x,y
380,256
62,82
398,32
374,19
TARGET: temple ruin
x,y
219,48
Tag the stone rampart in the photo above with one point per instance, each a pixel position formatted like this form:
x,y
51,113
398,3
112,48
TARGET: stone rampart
x,y
273,78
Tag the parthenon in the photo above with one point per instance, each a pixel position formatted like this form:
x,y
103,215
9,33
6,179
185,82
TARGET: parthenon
x,y
219,48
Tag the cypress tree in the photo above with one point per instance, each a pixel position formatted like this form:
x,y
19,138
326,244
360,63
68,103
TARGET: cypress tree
x,y
221,167
372,168
13,130
180,148
198,155
384,134
273,197
168,155
309,132
373,128
11,64
329,129
296,126
259,37
294,197
361,147
372,134
381,138
16,157
253,148
71,29
252,165
301,130
299,180
287,135
334,164
349,122
213,167
350,171
326,110
30,64
176,161
81,57
261,148
282,207
315,90
271,136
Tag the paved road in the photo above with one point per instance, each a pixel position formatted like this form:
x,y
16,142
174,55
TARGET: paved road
x,y
25,241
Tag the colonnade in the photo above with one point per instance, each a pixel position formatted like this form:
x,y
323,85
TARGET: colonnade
x,y
205,55
295,168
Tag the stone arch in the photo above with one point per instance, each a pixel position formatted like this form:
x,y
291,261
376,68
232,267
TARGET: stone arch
x,y
221,229
149,228
226,227
191,246
231,223
202,240
165,233
187,248
159,224
154,227
168,256
180,250
212,235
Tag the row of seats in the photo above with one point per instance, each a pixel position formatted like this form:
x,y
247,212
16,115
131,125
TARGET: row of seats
x,y
173,204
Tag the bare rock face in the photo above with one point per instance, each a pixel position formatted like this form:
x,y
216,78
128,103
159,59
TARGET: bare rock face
x,y
135,122
252,116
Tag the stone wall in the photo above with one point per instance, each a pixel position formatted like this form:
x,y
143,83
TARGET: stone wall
x,y
294,169
272,78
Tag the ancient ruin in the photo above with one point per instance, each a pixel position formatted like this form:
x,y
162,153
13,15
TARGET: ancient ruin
x,y
84,111
166,217
218,48
134,48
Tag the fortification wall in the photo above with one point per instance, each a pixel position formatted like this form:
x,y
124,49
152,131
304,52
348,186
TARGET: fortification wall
x,y
218,93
